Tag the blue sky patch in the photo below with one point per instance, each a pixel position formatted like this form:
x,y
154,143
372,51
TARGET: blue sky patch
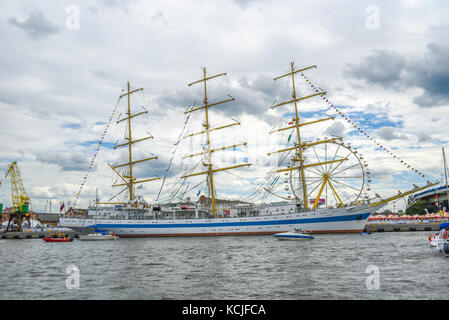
x,y
303,114
72,125
370,120
108,145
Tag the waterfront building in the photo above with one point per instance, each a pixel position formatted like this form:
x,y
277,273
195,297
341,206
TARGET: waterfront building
x,y
437,196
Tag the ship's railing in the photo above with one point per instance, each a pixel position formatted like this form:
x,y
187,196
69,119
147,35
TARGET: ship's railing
x,y
359,203
253,211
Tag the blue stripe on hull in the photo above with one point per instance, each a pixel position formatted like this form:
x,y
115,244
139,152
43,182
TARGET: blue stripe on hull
x,y
353,217
293,237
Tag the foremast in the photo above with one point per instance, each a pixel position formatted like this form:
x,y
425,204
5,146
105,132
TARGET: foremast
x,y
300,146
130,180
208,153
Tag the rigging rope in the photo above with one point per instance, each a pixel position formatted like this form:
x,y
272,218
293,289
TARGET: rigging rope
x,y
359,129
99,144
174,151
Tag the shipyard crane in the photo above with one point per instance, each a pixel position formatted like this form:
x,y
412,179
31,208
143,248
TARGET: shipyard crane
x,y
20,199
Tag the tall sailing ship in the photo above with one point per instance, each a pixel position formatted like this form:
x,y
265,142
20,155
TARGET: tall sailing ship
x,y
308,178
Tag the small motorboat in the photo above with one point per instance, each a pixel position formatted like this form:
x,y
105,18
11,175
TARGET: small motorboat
x,y
58,239
434,240
441,237
295,234
440,240
442,246
98,237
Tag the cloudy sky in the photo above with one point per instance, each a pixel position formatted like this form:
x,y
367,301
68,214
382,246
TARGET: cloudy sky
x,y
64,64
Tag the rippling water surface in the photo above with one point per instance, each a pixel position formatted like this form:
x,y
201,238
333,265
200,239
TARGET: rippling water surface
x,y
245,267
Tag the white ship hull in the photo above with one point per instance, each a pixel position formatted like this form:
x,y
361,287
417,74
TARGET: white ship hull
x,y
340,220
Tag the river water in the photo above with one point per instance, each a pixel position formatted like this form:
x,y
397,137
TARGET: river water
x,y
393,265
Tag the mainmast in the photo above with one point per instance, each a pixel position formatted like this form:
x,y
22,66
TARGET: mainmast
x,y
445,175
130,180
299,145
208,153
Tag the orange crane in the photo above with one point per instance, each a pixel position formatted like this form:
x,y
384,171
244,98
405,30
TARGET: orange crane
x,y
20,199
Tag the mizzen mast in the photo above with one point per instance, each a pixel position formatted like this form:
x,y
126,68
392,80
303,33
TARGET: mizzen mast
x,y
130,180
445,174
209,151
299,146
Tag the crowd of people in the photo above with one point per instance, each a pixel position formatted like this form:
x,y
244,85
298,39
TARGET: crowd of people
x,y
398,219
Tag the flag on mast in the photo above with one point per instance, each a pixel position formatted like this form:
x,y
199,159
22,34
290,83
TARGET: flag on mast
x,y
62,207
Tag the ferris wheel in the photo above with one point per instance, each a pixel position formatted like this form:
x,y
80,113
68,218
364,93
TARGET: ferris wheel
x,y
334,174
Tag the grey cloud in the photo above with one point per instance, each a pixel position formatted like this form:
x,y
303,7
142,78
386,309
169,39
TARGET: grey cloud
x,y
252,96
66,161
336,129
424,137
427,99
111,4
56,191
158,168
247,101
389,133
36,26
382,67
7,97
387,68
102,74
243,4
159,15
178,99
260,82
116,3
432,74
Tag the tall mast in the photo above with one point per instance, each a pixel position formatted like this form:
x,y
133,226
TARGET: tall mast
x,y
210,172
301,159
300,146
130,180
209,154
445,175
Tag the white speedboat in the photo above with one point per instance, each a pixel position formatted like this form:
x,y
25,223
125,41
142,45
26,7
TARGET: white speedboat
x,y
442,246
434,240
439,238
98,237
295,234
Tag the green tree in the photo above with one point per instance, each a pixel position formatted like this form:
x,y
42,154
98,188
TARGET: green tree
x,y
418,208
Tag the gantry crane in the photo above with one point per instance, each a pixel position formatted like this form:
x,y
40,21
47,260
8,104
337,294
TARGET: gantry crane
x,y
20,199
